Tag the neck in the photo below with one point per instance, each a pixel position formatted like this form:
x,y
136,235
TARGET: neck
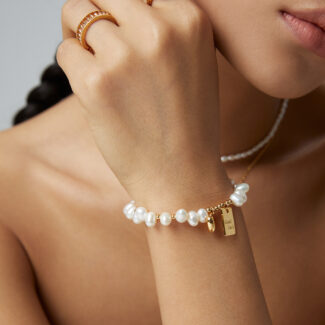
x,y
246,114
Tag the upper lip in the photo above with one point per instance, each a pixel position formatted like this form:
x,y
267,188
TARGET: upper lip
x,y
314,16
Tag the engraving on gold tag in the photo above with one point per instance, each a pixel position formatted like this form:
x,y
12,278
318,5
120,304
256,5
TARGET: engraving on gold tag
x,y
211,224
228,221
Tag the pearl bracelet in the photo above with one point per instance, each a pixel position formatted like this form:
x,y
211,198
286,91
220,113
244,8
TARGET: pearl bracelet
x,y
237,198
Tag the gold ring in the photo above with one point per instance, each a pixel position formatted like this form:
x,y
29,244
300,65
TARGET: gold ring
x,y
88,21
92,18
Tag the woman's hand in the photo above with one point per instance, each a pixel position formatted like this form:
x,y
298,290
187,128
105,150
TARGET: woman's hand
x,y
150,92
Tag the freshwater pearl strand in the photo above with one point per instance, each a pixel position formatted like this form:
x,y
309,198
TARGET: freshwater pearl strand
x,y
193,218
264,141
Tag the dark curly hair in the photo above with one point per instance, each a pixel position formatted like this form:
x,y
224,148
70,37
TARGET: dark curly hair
x,y
54,86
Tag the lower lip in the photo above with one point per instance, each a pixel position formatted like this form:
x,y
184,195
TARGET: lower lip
x,y
309,35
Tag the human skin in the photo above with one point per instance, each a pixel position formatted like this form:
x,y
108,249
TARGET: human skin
x,y
215,265
260,47
166,142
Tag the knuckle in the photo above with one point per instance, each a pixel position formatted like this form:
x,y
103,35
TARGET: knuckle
x,y
64,10
162,36
62,49
68,7
121,53
103,78
124,53
97,84
195,18
120,63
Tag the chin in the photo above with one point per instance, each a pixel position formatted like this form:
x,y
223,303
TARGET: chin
x,y
258,45
279,74
284,79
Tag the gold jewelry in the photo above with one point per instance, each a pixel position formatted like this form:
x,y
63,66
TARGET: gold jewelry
x,y
91,18
254,162
228,220
226,213
88,21
202,215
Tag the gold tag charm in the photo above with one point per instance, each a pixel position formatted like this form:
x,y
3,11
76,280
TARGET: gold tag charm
x,y
228,221
211,224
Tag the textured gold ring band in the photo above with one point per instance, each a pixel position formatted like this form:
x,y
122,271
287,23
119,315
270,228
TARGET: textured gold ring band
x,y
92,18
88,21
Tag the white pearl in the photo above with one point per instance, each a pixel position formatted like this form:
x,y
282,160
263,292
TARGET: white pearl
x,y
258,147
264,141
203,215
165,218
150,219
181,215
127,207
242,194
139,215
243,187
193,218
237,199
130,212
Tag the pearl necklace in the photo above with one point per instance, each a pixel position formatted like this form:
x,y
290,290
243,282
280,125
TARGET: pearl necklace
x,y
264,141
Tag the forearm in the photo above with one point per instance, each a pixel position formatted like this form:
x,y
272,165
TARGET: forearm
x,y
202,277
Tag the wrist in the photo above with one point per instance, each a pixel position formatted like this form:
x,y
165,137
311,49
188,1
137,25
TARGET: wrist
x,y
192,190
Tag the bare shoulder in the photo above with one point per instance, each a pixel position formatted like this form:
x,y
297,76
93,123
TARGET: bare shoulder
x,y
13,166
51,157
17,273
